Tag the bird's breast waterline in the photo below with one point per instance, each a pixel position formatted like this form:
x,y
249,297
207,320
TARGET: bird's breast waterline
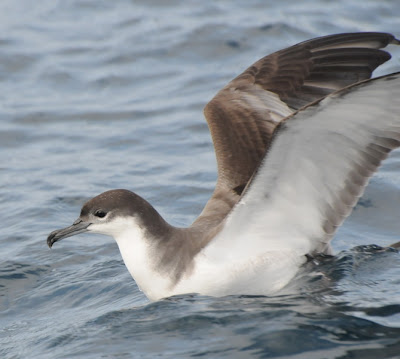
x,y
136,250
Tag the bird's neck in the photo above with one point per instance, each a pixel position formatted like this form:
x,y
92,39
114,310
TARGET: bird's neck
x,y
137,252
157,256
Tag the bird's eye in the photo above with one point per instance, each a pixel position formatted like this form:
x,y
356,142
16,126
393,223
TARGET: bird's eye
x,y
99,213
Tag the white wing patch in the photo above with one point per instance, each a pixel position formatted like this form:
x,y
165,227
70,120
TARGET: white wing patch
x,y
260,100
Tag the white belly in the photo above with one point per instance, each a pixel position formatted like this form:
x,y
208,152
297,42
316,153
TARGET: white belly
x,y
265,274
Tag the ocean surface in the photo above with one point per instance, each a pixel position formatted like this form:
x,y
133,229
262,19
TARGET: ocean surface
x,y
98,94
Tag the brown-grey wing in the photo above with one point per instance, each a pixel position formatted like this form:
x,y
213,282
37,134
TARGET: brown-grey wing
x,y
317,167
242,116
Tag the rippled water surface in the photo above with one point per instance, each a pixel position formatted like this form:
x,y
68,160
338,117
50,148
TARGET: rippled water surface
x,y
103,94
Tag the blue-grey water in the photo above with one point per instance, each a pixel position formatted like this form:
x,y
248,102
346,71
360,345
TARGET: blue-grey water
x,y
98,94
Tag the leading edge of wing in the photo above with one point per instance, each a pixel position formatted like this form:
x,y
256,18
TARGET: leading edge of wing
x,y
243,116
316,168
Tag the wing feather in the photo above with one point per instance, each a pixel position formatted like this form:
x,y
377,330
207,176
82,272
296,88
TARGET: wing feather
x,y
243,116
316,168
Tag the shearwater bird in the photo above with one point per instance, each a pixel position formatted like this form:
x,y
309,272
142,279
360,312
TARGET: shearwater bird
x,y
297,137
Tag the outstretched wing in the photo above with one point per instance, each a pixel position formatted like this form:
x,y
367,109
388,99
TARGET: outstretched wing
x,y
243,116
316,168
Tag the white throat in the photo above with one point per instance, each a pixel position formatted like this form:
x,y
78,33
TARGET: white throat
x,y
138,256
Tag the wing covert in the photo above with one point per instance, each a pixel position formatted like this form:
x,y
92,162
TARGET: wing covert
x,y
243,116
317,167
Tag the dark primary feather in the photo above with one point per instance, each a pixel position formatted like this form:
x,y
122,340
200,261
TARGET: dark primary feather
x,y
322,157
243,116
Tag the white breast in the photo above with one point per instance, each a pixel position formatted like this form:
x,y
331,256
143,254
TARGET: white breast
x,y
225,271
137,255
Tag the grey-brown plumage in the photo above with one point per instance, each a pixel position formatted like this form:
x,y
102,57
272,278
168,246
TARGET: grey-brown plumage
x,y
268,134
242,117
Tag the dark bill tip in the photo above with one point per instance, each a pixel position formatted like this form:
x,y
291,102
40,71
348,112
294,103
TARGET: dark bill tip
x,y
51,239
78,227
